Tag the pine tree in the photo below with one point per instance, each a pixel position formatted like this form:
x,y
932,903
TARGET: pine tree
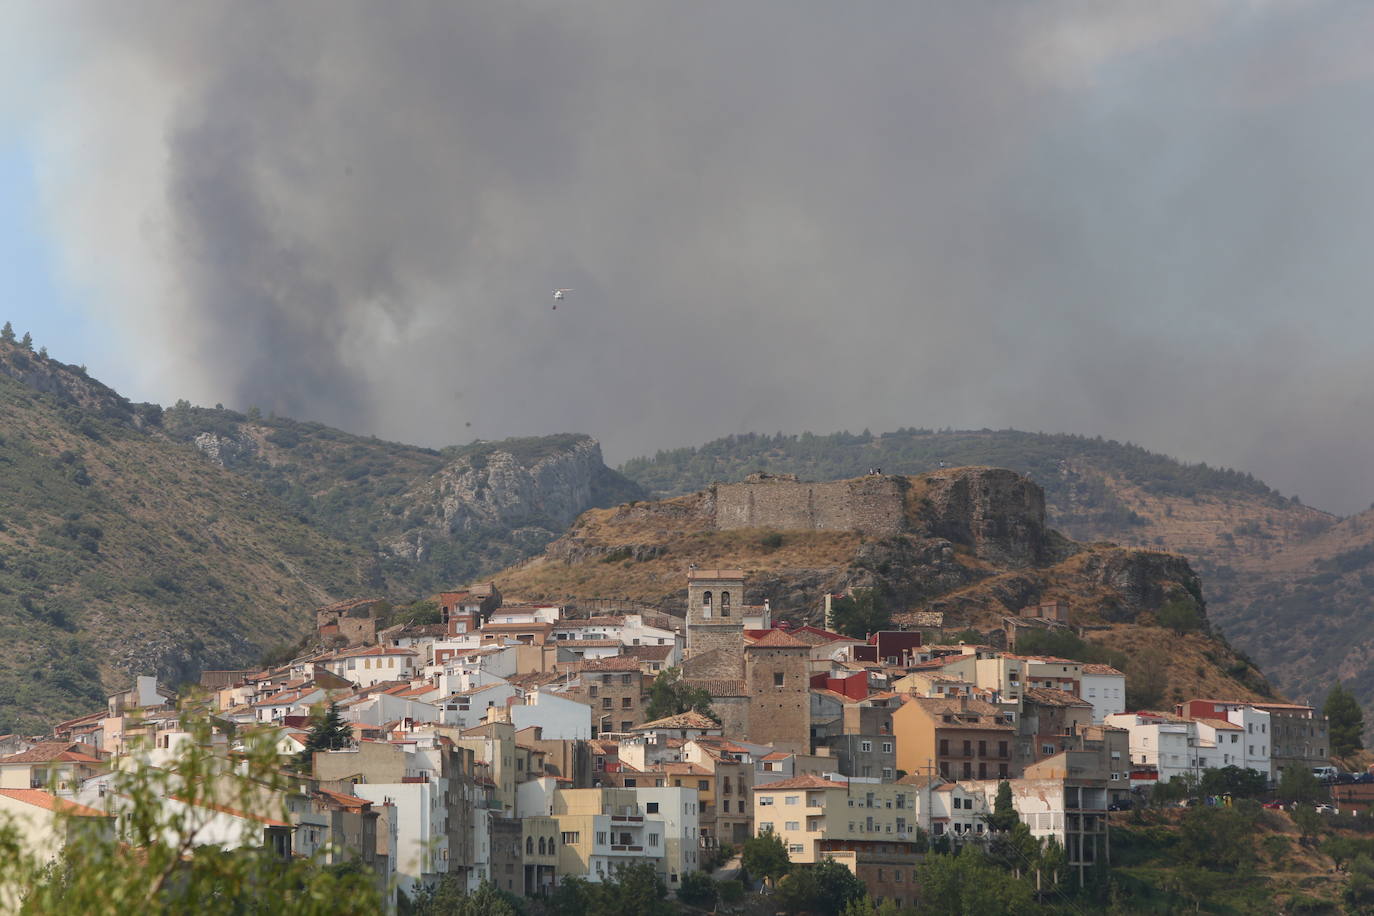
x,y
27,342
1346,720
7,333
330,732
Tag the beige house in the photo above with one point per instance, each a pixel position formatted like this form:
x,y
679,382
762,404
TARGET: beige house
x,y
815,816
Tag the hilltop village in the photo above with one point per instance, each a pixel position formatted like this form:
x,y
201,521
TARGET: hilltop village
x,y
524,743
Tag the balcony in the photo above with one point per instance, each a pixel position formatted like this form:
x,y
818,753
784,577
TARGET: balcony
x,y
627,849
627,818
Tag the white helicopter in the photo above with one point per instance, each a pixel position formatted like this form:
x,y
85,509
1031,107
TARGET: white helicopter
x,y
559,295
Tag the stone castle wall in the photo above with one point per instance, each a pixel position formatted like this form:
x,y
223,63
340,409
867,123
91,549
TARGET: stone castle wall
x,y
872,504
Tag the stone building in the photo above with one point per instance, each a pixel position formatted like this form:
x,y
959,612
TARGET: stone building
x,y
777,676
715,610
615,689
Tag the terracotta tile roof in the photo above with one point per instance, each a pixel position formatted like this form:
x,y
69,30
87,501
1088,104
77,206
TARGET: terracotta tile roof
x,y
801,782
686,720
720,687
588,643
686,769
46,751
1048,696
1219,724
778,639
1093,668
347,801
361,651
776,755
49,802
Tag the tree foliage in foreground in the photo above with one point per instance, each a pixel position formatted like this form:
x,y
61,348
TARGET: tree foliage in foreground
x,y
148,857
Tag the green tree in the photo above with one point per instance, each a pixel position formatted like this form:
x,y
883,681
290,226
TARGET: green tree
x,y
1180,614
824,889
450,898
967,883
670,695
765,857
1220,837
1358,894
1297,784
1346,720
698,889
1308,822
27,342
329,731
860,614
149,858
1003,816
7,333
1239,782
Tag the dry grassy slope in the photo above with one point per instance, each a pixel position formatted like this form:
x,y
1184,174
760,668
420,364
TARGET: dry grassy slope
x,y
123,552
639,552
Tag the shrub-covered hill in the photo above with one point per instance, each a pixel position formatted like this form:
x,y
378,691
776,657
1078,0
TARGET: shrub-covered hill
x,y
427,518
122,552
135,539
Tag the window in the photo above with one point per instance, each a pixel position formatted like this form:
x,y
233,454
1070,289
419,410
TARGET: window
x,y
703,785
592,690
765,827
626,702
765,801
706,602
865,746
626,679
653,840
777,678
887,747
725,604
887,772
793,825
605,702
529,845
796,848
791,799
944,747
626,725
601,837
571,836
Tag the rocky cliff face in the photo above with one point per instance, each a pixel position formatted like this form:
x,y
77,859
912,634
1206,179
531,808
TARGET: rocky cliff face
x,y
998,513
499,490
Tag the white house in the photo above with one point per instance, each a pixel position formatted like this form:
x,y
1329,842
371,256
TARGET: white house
x,y
1105,688
1166,742
371,665
559,717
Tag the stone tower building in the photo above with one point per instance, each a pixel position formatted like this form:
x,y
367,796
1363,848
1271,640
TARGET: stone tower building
x,y
715,610
777,678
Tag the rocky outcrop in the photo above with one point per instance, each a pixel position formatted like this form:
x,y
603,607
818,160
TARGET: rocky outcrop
x,y
227,451
1142,579
998,513
498,490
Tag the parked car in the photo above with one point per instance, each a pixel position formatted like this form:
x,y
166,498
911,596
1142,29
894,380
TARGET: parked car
x,y
1345,779
1325,774
1274,804
1327,809
1363,778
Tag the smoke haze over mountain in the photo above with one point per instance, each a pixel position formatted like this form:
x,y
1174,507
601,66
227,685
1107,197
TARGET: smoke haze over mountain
x,y
1146,221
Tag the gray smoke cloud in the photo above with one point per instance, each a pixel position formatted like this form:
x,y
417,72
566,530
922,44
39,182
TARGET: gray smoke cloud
x,y
1146,221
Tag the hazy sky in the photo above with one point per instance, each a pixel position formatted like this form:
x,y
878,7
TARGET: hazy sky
x,y
1149,221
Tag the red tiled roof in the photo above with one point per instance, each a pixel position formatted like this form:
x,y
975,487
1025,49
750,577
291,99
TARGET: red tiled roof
x,y
348,801
777,639
45,751
686,720
49,802
612,663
